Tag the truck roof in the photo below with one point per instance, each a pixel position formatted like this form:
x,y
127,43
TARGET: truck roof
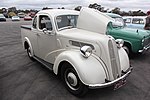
x,y
57,12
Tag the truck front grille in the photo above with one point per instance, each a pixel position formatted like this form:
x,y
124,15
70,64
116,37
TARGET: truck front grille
x,y
146,42
114,58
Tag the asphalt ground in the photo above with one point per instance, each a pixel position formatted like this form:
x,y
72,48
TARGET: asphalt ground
x,y
23,79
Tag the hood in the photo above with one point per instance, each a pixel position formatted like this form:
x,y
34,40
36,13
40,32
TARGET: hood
x,y
139,33
83,35
93,20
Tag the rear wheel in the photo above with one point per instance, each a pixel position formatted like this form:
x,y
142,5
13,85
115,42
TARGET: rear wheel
x,y
29,53
72,81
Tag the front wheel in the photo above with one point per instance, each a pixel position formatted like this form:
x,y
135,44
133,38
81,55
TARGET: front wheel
x,y
72,81
126,49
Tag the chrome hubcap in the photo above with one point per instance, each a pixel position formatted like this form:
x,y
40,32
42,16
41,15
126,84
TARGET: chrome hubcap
x,y
72,79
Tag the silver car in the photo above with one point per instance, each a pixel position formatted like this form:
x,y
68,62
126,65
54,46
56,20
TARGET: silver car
x,y
2,18
15,18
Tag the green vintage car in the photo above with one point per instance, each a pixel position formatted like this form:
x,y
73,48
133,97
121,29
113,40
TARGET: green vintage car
x,y
135,40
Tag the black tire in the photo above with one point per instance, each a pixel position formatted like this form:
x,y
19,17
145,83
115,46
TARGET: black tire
x,y
129,51
127,47
75,86
29,53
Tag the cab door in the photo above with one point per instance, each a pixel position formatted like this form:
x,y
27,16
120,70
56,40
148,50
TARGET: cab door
x,y
46,39
33,36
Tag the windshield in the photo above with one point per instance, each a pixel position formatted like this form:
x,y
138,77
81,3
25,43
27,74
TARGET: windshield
x,y
118,22
66,21
15,16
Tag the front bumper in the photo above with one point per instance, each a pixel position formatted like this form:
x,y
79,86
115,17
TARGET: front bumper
x,y
94,86
15,19
2,19
144,49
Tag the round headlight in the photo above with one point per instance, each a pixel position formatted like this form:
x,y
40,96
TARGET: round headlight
x,y
86,51
119,43
143,41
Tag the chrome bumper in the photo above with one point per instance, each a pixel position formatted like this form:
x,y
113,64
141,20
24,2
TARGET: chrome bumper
x,y
111,82
144,49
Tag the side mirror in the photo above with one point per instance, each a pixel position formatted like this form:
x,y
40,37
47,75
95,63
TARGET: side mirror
x,y
46,31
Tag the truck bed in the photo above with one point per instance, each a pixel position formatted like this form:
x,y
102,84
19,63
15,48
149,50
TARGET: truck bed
x,y
26,27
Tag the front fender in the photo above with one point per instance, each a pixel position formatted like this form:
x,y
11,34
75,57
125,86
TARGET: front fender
x,y
124,59
89,70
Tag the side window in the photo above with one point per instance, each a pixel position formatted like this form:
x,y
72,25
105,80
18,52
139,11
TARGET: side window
x,y
35,22
45,22
138,21
128,20
141,21
66,21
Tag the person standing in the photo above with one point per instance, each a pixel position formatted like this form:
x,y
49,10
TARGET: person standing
x,y
147,24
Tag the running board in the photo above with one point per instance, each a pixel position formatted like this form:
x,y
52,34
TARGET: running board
x,y
45,63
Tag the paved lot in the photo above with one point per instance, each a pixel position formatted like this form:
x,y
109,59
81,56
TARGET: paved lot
x,y
23,79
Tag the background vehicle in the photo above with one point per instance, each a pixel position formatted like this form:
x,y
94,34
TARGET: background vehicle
x,y
2,18
77,48
21,15
15,18
137,22
136,40
27,18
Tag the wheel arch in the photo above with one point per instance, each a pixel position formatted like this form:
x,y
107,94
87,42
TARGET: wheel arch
x,y
60,66
128,44
27,44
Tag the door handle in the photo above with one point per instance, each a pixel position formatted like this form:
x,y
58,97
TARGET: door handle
x,y
38,34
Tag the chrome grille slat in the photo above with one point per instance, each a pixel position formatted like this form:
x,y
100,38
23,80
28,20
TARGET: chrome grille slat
x,y
114,58
146,42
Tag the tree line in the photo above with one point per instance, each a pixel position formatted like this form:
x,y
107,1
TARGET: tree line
x,y
13,10
116,10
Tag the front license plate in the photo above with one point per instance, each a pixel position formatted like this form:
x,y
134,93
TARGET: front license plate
x,y
119,84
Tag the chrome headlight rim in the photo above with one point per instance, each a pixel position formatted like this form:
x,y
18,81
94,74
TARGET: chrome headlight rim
x,y
143,40
119,43
86,51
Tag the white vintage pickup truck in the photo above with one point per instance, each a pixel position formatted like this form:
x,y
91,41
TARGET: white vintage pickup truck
x,y
74,45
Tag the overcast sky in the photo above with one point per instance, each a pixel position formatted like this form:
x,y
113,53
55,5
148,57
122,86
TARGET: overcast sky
x,y
125,5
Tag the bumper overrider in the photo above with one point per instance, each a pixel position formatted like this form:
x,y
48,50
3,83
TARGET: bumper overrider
x,y
110,83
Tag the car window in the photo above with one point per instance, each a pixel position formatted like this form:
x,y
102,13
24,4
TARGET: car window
x,y
66,21
35,22
127,20
45,22
137,21
118,22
